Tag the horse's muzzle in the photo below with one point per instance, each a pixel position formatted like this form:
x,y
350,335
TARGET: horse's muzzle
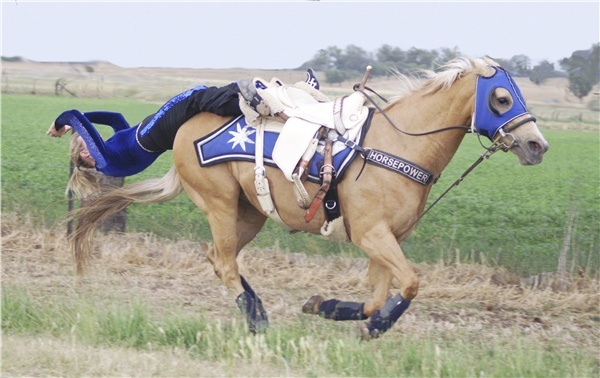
x,y
532,151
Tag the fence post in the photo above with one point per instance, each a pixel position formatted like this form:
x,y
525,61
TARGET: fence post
x,y
70,200
561,269
117,221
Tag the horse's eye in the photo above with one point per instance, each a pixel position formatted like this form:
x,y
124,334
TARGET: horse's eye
x,y
500,101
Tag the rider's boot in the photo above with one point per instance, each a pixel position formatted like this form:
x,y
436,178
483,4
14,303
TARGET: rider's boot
x,y
311,78
248,90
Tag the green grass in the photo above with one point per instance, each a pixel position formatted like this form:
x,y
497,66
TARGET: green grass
x,y
518,215
503,213
308,346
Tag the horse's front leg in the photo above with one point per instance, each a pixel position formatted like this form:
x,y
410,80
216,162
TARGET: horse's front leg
x,y
387,256
379,278
383,310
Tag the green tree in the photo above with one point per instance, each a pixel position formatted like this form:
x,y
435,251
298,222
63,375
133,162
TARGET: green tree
x,y
324,59
353,58
541,72
518,65
583,68
389,54
522,65
447,54
388,58
421,58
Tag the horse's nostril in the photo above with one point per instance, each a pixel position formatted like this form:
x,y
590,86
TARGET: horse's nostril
x,y
535,147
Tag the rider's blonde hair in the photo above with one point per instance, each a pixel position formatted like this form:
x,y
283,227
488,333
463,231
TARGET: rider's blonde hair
x,y
83,181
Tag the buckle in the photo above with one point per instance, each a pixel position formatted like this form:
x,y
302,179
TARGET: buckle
x,y
504,146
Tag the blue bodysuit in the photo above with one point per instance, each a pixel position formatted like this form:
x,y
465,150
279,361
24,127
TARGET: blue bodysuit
x,y
132,149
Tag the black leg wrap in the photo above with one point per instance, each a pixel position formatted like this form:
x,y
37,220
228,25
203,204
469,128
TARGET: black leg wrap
x,y
251,306
338,310
385,318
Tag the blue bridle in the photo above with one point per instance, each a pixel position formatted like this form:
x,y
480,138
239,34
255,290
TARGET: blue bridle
x,y
486,120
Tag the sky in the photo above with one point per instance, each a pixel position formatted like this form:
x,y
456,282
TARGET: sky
x,y
286,34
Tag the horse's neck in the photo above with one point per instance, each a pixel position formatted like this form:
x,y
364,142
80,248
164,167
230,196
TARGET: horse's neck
x,y
422,113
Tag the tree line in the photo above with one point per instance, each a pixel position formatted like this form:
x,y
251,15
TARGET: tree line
x,y
582,68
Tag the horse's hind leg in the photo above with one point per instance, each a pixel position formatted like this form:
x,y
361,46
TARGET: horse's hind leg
x,y
223,258
233,223
248,224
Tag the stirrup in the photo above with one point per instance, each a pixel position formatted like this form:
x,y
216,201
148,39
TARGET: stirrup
x,y
311,78
248,90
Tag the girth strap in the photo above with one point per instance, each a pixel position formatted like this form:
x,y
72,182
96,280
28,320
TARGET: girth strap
x,y
331,202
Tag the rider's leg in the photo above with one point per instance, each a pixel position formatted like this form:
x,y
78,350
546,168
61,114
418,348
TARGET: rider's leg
x,y
157,132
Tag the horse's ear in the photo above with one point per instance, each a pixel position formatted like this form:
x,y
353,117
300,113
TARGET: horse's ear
x,y
490,61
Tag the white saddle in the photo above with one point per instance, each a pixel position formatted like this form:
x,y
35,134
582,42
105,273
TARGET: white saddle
x,y
344,116
308,110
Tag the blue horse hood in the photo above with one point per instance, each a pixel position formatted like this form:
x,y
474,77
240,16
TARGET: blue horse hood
x,y
487,122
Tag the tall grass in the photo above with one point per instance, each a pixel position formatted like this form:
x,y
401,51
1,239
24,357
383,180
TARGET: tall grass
x,y
503,213
327,349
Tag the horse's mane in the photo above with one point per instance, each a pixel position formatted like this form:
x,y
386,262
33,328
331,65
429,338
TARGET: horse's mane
x,y
432,81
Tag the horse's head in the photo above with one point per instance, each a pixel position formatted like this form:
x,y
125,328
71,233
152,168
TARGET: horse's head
x,y
502,116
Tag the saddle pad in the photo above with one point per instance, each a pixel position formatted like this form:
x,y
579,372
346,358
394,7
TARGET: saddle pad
x,y
235,141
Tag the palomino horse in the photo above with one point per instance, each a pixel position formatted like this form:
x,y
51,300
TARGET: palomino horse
x,y
380,209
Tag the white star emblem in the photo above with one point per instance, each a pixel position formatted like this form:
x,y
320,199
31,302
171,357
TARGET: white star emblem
x,y
241,137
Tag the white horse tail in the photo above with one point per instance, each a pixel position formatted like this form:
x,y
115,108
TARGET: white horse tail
x,y
111,202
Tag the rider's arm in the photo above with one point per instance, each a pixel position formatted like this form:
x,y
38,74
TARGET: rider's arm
x,y
88,132
112,119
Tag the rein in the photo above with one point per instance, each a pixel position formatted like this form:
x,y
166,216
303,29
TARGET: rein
x,y
358,89
490,151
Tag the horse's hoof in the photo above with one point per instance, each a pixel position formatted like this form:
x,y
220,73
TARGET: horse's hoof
x,y
312,305
363,332
259,326
367,334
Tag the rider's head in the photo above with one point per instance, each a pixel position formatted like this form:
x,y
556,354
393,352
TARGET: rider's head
x,y
83,181
79,153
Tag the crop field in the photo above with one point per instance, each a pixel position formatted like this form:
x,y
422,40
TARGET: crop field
x,y
151,305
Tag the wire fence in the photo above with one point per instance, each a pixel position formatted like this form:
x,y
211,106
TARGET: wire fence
x,y
158,89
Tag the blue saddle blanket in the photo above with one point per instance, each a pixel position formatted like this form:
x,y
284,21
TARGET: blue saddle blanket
x,y
236,141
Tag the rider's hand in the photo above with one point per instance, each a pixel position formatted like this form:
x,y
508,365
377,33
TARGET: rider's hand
x,y
58,133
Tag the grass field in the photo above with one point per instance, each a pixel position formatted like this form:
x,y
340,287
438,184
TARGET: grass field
x,y
502,214
153,307
303,348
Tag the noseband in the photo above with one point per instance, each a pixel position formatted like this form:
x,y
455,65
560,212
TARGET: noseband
x,y
504,146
